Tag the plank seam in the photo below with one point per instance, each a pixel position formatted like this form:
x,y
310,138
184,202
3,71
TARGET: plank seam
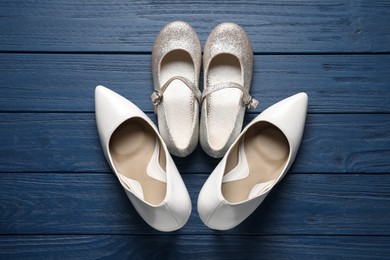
x,y
151,112
194,173
149,53
196,234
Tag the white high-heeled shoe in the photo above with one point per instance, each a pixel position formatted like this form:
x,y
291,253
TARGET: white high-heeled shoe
x,y
258,159
140,159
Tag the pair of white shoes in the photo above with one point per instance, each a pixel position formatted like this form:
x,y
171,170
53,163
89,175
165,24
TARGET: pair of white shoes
x,y
258,159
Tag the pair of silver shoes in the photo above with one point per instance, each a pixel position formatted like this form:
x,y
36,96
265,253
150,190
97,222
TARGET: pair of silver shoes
x,y
254,163
227,65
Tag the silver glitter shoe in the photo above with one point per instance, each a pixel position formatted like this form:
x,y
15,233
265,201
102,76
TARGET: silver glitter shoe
x,y
228,67
176,61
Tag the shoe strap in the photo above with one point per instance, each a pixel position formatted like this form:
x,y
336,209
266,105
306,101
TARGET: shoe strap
x,y
157,96
248,100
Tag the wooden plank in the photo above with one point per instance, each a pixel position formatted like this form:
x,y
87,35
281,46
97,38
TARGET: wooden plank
x,y
334,83
68,142
193,247
282,26
302,204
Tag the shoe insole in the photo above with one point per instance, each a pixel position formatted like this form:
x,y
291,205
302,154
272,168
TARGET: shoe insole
x,y
178,98
266,149
131,147
223,105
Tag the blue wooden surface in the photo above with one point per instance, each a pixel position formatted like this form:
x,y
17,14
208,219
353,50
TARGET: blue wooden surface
x,y
58,198
303,204
130,26
66,82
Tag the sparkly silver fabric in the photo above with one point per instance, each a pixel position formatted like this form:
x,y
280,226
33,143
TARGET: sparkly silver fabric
x,y
226,38
176,35
230,38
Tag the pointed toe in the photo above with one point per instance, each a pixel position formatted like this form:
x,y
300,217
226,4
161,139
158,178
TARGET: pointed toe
x,y
111,109
298,103
103,95
289,115
100,95
303,95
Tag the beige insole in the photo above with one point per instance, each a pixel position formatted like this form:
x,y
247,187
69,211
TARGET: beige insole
x,y
224,104
178,98
266,150
131,147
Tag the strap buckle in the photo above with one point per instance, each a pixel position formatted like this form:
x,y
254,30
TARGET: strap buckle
x,y
156,98
251,103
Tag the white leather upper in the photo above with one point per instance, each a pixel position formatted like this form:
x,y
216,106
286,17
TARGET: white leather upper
x,y
289,116
173,212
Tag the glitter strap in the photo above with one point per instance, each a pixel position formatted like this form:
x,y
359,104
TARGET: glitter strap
x,y
157,96
248,100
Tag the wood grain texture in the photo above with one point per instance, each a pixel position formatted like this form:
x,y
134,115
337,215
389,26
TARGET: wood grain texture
x,y
63,83
68,142
302,204
282,26
193,247
58,197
